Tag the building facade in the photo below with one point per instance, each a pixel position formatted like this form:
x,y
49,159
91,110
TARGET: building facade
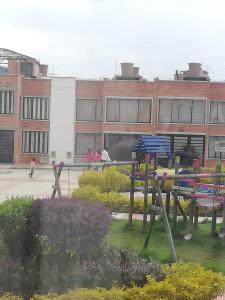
x,y
59,118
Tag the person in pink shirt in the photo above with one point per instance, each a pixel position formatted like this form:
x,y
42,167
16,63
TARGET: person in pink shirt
x,y
98,156
89,156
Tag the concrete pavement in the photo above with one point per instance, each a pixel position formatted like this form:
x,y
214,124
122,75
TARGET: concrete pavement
x,y
16,182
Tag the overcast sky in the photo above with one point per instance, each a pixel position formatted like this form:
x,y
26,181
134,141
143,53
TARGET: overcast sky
x,y
89,38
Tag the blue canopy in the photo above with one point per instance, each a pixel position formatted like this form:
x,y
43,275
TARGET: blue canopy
x,y
153,144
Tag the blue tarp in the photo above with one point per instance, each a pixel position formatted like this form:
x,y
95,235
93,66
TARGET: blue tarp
x,y
153,144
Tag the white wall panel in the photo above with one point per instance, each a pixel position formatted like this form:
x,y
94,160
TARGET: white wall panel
x,y
62,112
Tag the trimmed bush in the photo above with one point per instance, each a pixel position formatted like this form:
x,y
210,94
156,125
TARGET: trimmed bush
x,y
117,201
10,275
10,297
113,200
68,226
182,282
86,294
65,233
121,266
13,228
107,180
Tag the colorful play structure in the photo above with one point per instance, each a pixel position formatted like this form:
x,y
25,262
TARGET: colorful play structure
x,y
186,184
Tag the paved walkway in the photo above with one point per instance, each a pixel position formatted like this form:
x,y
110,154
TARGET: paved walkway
x,y
16,182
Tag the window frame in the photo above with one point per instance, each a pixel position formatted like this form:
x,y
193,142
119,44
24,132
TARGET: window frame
x,y
12,102
86,133
91,99
107,98
35,137
217,102
180,99
222,154
42,104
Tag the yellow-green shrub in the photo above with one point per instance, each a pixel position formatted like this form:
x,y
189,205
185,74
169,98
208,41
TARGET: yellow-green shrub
x,y
108,180
117,201
113,200
182,282
87,294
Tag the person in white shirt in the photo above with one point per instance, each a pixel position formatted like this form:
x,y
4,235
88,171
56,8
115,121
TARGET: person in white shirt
x,y
105,155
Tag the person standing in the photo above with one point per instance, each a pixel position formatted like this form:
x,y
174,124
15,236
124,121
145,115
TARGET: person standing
x,y
97,156
105,155
32,167
89,156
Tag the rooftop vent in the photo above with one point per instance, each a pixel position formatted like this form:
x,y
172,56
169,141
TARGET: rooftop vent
x,y
135,71
195,72
128,72
195,69
126,69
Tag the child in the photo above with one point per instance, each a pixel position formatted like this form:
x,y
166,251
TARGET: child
x,y
32,167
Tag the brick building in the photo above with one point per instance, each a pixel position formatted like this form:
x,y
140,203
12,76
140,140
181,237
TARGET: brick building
x,y
58,118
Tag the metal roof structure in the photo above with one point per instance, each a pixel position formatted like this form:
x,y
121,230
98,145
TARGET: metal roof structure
x,y
9,54
153,144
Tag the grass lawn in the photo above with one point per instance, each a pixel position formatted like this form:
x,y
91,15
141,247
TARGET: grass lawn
x,y
207,250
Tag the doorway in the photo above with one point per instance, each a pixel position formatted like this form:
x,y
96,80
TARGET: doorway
x,y
6,146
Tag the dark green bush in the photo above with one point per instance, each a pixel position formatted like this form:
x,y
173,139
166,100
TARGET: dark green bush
x,y
61,248
181,282
68,226
13,228
10,275
66,232
123,266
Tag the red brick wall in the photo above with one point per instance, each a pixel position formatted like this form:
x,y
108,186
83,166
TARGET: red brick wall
x,y
36,87
89,89
102,89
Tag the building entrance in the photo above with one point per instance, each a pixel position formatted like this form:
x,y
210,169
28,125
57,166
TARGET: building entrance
x,y
6,146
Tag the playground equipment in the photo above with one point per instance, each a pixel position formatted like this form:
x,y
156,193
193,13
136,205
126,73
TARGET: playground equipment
x,y
58,168
208,195
151,146
197,193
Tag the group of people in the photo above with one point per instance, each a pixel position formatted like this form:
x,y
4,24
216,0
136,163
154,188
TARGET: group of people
x,y
98,156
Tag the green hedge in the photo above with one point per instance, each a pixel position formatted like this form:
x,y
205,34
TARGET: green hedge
x,y
182,282
13,227
59,244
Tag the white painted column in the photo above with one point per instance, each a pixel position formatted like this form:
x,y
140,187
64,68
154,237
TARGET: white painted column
x,y
62,112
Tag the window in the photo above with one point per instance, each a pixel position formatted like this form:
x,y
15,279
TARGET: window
x,y
128,110
212,143
6,102
26,69
35,142
87,140
89,110
217,112
181,111
36,108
